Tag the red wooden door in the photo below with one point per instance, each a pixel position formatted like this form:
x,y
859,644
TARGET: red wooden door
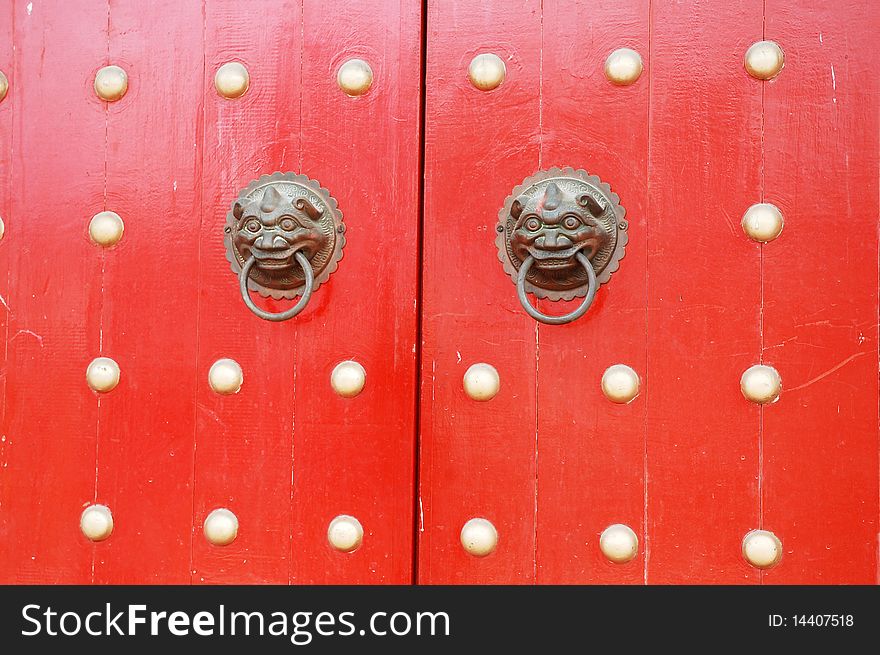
x,y
689,466
482,446
285,455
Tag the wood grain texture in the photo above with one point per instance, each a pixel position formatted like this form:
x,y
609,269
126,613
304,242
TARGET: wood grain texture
x,y
54,297
150,284
356,455
477,458
7,66
590,451
244,441
286,454
704,293
820,304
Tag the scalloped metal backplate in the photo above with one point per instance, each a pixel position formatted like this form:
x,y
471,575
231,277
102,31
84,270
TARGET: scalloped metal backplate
x,y
324,262
605,262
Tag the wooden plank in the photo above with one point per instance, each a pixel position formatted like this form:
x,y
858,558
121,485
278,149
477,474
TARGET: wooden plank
x,y
477,458
820,293
7,109
704,292
355,456
150,287
58,140
244,441
591,451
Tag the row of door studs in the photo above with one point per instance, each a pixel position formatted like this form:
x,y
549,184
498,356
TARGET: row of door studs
x,y
487,71
620,383
618,542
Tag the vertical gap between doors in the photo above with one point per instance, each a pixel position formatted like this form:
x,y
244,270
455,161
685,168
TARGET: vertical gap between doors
x,y
420,231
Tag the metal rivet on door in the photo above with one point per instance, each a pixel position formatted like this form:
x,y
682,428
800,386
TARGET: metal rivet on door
x,y
761,384
762,549
762,222
111,83
355,77
284,238
345,533
561,234
623,66
348,378
232,80
479,537
619,543
225,376
103,374
764,60
106,228
221,527
487,71
4,85
96,522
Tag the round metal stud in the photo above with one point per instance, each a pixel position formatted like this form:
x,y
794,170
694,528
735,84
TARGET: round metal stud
x,y
111,83
487,71
221,527
764,60
482,382
4,85
345,533
479,537
761,384
96,522
620,384
105,229
2,228
355,77
619,543
762,222
623,66
102,375
762,549
232,80
348,379
225,376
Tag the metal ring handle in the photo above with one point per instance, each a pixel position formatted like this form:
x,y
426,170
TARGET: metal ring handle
x,y
565,318
293,311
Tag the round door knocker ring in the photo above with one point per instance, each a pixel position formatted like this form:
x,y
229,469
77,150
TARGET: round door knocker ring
x,y
564,318
289,313
561,234
284,238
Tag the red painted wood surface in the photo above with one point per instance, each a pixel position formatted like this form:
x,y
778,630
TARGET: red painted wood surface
x,y
162,450
820,303
356,456
244,442
591,452
286,454
477,458
704,293
691,465
149,294
58,159
6,111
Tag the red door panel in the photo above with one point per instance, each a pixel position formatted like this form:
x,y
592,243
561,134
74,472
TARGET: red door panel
x,y
57,168
704,293
162,450
690,465
477,458
820,303
591,453
543,467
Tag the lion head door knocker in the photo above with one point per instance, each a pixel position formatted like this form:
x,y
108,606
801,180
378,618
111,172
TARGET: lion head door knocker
x,y
284,237
561,234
